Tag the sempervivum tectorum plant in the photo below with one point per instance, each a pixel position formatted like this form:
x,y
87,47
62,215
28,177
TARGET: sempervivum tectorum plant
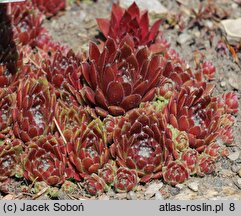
x,y
50,7
213,150
191,110
206,164
176,141
176,70
87,148
208,70
10,151
131,21
28,29
45,160
7,99
27,23
176,172
33,110
63,72
138,143
94,185
5,76
111,123
190,157
162,97
71,119
108,172
119,77
125,179
231,102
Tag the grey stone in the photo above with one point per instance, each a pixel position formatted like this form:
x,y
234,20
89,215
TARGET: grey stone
x,y
104,197
184,38
239,181
234,156
239,173
121,196
174,191
193,186
152,189
234,81
158,196
223,84
231,27
153,6
235,168
180,186
131,196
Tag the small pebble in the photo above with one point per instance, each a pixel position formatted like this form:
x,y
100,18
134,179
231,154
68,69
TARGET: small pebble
x,y
174,191
234,156
223,84
239,181
104,197
152,189
111,193
209,24
180,186
158,196
184,38
235,168
234,5
226,173
239,173
234,81
131,196
154,6
193,186
121,196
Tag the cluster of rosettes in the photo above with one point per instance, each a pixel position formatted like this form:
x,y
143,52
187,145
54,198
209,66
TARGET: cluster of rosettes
x,y
130,112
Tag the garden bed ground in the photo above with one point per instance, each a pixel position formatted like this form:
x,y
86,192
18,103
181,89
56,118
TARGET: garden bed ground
x,y
77,25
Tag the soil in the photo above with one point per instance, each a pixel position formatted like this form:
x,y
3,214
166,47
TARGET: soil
x,y
77,26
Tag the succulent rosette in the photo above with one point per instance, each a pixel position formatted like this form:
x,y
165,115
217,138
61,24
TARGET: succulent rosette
x,y
5,76
139,143
94,185
125,179
206,164
68,187
70,119
111,123
63,72
7,99
213,150
87,149
176,140
10,151
161,98
176,71
208,70
190,157
45,160
108,172
192,110
50,7
34,109
131,21
27,24
231,102
119,78
176,172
